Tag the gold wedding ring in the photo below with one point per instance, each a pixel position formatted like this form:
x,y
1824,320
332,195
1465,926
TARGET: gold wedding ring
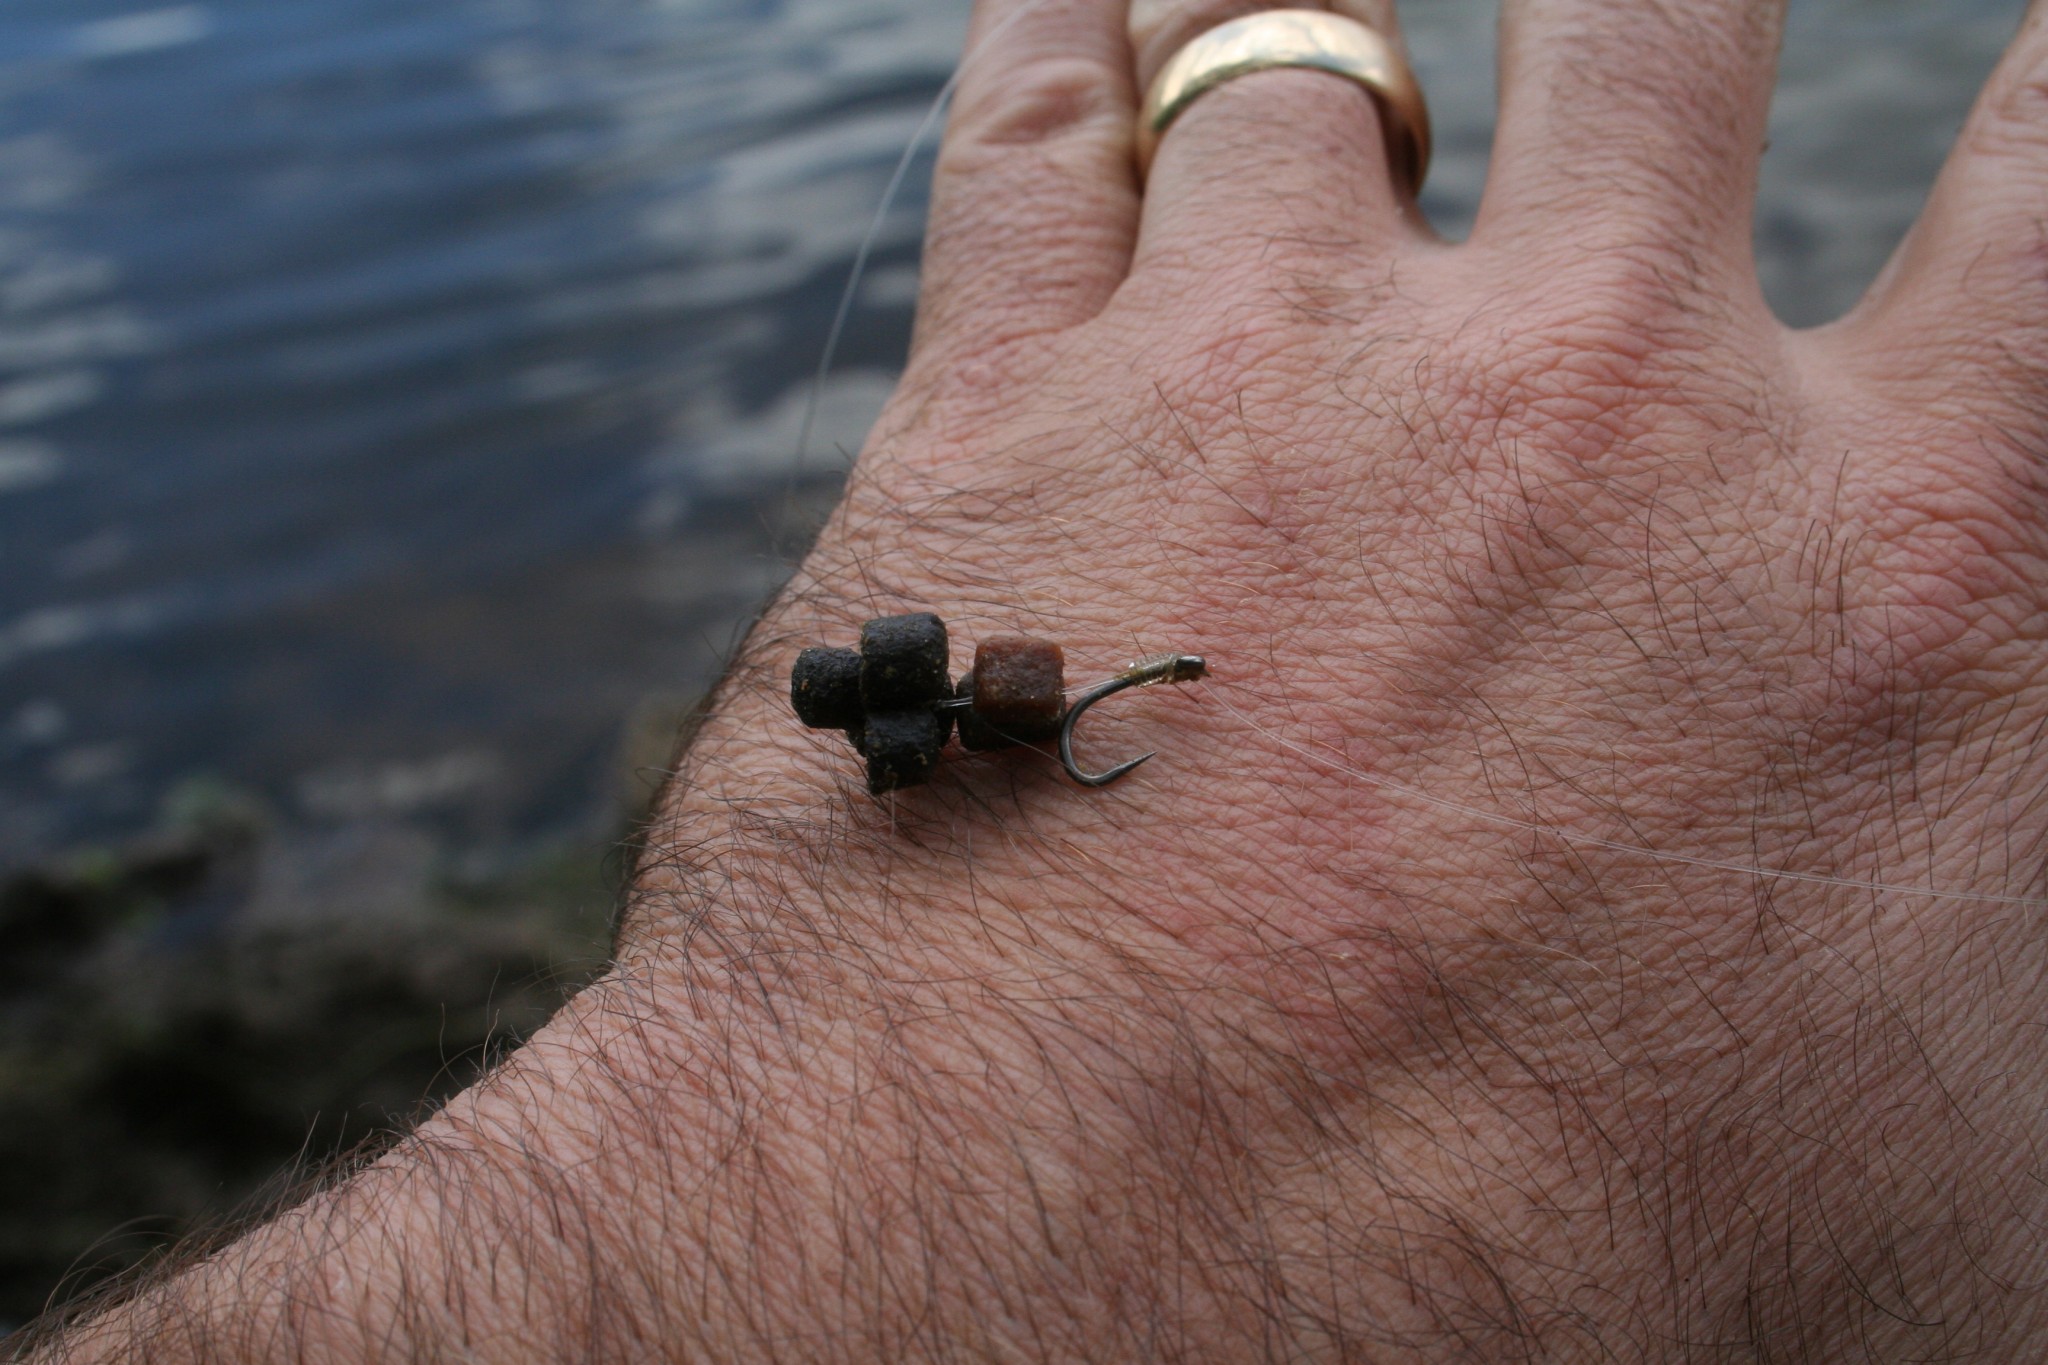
x,y
1311,39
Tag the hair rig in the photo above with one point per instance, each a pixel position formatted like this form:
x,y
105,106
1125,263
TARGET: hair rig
x,y
894,701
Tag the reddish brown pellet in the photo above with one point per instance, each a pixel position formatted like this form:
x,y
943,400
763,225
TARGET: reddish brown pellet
x,y
1020,687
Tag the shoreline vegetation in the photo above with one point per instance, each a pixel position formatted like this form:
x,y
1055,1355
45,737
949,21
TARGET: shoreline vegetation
x,y
198,1021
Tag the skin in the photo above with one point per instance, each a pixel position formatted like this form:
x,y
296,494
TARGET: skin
x,y
1591,912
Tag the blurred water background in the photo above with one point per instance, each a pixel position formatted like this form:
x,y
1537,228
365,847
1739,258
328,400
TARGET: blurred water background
x,y
398,401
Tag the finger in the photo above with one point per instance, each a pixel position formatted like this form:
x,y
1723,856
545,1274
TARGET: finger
x,y
1285,156
1627,123
1964,302
1034,201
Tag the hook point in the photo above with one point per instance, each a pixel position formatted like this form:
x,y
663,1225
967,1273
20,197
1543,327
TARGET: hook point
x,y
1103,779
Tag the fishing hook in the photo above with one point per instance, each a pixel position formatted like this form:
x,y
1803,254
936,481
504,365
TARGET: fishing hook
x,y
1148,672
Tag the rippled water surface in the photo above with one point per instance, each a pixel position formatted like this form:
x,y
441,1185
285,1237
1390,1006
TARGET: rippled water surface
x,y
396,395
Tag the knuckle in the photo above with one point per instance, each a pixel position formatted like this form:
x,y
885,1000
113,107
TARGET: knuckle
x,y
976,288
1588,375
1939,547
1041,102
1955,581
1221,342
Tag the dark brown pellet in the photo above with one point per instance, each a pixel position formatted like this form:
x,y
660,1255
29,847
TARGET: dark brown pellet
x,y
903,662
825,688
902,747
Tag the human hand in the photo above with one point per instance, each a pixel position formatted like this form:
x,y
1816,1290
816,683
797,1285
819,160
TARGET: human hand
x,y
1589,912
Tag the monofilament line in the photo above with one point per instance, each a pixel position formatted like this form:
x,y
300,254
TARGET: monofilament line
x,y
1498,818
874,232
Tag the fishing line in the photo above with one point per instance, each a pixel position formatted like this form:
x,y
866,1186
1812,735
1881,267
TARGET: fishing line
x,y
867,242
1498,818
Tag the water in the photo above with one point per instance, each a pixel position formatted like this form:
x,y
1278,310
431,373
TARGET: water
x,y
397,394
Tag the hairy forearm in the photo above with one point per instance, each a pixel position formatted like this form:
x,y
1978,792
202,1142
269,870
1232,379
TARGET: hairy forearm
x,y
1005,1070
841,1094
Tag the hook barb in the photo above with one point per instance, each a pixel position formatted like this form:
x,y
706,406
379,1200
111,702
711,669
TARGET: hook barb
x,y
1160,668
